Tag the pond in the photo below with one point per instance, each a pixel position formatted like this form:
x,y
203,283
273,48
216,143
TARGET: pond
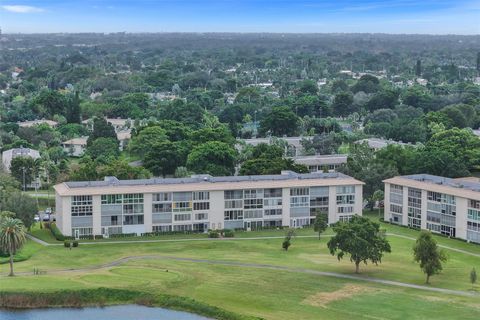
x,y
126,312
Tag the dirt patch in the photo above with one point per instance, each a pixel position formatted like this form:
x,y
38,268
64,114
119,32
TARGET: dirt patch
x,y
321,299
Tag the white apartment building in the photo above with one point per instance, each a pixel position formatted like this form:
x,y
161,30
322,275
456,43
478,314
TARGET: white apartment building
x,y
203,202
443,205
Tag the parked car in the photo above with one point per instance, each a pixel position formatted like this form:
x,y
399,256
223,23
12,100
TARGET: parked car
x,y
36,217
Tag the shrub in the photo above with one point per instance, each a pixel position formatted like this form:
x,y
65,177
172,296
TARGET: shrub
x,y
213,234
123,235
228,233
56,232
75,243
66,244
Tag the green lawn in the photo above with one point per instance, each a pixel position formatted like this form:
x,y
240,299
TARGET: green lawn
x,y
272,294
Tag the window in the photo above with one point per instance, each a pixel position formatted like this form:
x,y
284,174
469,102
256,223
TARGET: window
x,y
162,228
133,198
201,205
201,195
161,207
474,204
272,202
319,201
272,193
233,194
162,196
346,199
396,209
319,191
182,196
182,206
344,218
81,206
253,203
182,227
233,215
299,192
345,189
415,193
473,214
132,208
112,199
253,193
299,202
252,214
345,209
201,216
133,219
82,232
273,212
232,204
182,217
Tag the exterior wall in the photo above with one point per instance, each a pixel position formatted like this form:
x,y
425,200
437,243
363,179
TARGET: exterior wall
x,y
74,150
102,223
460,218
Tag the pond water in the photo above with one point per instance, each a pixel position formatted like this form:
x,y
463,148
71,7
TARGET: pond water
x,y
127,312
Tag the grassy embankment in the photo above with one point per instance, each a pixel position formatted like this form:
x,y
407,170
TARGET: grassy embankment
x,y
252,291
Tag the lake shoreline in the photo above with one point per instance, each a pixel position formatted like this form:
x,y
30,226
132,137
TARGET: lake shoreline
x,y
105,297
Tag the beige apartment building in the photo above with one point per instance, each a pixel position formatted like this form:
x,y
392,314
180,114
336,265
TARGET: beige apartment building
x,y
443,205
203,202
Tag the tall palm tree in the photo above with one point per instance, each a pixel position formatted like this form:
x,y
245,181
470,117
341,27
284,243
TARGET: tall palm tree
x,y
12,237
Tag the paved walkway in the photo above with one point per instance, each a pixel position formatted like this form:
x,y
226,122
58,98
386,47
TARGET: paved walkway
x,y
262,266
43,243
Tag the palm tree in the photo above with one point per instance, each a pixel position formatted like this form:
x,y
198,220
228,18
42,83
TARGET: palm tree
x,y
12,237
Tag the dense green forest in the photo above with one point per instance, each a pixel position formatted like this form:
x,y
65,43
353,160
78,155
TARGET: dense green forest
x,y
189,98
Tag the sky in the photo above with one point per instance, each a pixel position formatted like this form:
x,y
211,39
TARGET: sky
x,y
279,16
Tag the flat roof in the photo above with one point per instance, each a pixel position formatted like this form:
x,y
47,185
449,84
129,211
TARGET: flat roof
x,y
321,159
461,187
112,185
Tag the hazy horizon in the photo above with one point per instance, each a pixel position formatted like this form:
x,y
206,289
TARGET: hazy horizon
x,y
249,16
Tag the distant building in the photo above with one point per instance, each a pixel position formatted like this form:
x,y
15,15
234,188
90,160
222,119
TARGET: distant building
x,y
377,143
9,155
294,144
75,147
422,82
442,205
319,163
203,202
117,123
123,138
28,124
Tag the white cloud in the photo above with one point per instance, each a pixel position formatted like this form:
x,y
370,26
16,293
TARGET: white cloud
x,y
22,9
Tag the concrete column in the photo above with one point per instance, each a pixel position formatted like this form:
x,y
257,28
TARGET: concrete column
x,y
461,218
386,203
97,215
332,205
286,207
147,211
424,210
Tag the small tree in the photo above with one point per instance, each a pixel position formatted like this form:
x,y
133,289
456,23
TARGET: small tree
x,y
361,238
427,253
287,241
378,195
321,223
473,277
12,236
